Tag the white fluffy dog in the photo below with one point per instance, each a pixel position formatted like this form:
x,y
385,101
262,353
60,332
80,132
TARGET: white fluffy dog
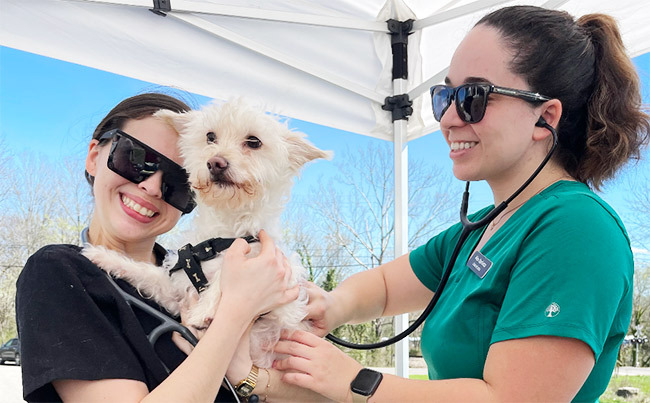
x,y
241,163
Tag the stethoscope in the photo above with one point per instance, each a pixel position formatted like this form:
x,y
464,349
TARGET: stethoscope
x,y
468,228
167,324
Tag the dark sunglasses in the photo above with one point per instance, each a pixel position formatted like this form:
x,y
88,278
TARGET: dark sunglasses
x,y
471,99
136,161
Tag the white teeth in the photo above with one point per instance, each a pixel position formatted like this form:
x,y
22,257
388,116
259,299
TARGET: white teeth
x,y
455,146
136,207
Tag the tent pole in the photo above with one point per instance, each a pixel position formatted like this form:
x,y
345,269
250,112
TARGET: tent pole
x,y
400,106
401,223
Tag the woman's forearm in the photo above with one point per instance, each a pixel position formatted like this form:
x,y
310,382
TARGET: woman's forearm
x,y
359,298
199,376
387,290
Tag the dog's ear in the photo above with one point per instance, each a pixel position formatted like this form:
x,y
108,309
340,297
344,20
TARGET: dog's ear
x,y
302,151
178,121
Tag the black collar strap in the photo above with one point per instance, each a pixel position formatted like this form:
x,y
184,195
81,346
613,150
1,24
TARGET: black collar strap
x,y
190,258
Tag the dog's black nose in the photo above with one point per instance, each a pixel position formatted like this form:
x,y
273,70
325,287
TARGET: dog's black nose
x,y
217,165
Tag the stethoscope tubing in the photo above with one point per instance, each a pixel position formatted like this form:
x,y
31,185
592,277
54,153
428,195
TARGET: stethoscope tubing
x,y
468,228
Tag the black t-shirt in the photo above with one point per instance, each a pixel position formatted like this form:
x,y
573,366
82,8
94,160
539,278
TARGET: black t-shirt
x,y
74,324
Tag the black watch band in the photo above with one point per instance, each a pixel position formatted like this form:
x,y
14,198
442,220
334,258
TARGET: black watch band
x,y
365,384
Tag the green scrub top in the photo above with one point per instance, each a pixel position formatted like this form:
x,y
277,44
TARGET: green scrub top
x,y
560,266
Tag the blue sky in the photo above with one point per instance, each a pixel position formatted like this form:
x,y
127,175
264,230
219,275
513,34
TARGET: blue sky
x,y
50,108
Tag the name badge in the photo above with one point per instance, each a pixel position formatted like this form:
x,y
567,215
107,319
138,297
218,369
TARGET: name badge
x,y
479,264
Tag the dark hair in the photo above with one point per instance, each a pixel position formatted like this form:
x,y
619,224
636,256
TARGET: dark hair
x,y
136,107
583,64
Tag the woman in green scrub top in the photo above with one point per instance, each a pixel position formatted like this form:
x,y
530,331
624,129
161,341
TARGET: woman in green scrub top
x,y
539,300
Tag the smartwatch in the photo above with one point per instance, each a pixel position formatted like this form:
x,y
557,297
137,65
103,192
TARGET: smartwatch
x,y
245,387
365,384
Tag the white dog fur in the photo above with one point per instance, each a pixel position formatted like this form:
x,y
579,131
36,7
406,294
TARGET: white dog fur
x,y
246,196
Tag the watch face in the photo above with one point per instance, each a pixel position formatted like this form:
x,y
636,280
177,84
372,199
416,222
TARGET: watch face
x,y
245,389
366,382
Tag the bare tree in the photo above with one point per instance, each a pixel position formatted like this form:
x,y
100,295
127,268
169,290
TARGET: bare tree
x,y
356,209
640,323
73,202
302,235
352,217
5,170
45,203
638,200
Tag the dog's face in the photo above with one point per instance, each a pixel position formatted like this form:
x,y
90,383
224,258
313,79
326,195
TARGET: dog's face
x,y
236,154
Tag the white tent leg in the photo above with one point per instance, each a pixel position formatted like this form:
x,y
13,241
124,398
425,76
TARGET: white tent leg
x,y
401,223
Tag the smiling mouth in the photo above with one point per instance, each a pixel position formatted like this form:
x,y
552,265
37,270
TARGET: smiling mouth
x,y
137,208
462,145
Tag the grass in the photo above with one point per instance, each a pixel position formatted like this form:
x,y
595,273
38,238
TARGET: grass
x,y
641,382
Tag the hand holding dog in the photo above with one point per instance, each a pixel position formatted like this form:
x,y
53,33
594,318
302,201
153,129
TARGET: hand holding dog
x,y
320,310
316,364
260,284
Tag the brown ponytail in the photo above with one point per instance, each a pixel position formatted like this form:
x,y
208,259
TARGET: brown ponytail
x,y
584,65
616,124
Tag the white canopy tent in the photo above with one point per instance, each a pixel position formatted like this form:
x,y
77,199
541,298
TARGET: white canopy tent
x,y
326,62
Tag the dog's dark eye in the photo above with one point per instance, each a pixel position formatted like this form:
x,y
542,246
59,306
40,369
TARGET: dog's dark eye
x,y
211,137
253,142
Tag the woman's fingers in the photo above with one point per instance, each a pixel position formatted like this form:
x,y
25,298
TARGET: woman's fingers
x,y
284,263
302,337
292,364
299,379
258,284
181,343
239,248
315,364
292,348
291,294
268,246
317,309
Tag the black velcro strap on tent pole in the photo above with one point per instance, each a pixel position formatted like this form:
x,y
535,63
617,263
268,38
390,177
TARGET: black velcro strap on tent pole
x,y
399,33
399,105
161,7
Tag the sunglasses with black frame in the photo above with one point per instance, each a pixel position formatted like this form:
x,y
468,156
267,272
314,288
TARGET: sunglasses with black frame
x,y
135,161
471,99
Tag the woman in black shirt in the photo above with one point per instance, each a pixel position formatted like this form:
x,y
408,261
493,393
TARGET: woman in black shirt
x,y
80,340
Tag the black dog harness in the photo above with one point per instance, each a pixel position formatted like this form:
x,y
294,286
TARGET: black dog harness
x,y
190,258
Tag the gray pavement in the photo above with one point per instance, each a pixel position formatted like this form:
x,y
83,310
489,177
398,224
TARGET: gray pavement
x,y
11,389
632,371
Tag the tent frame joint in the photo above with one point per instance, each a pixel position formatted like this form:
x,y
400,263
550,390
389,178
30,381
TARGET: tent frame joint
x,y
399,105
399,30
161,7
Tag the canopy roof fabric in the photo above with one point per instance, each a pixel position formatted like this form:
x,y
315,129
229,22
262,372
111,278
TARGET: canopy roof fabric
x,y
327,62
